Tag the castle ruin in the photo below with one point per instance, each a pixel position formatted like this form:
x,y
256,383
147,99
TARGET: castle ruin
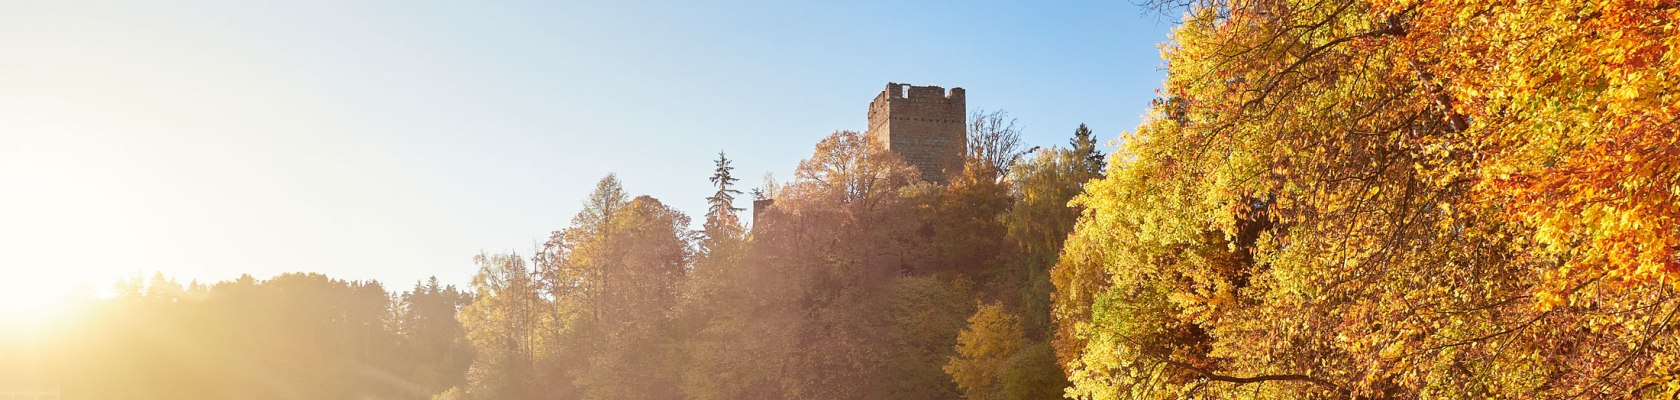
x,y
923,124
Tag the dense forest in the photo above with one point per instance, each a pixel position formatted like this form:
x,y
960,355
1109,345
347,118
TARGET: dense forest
x,y
1328,199
861,281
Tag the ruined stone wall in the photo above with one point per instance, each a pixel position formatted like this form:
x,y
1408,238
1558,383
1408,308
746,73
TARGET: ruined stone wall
x,y
923,124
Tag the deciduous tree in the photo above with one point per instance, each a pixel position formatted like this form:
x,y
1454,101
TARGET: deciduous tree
x,y
1386,199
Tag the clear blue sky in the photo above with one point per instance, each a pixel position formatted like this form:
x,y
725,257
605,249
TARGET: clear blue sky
x,y
396,140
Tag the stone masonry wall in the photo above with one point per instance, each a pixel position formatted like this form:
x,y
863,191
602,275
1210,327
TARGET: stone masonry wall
x,y
926,126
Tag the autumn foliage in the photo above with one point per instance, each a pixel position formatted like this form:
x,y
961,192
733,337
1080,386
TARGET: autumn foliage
x,y
1448,199
1328,199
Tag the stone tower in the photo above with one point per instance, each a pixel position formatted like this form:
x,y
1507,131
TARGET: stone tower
x,y
924,125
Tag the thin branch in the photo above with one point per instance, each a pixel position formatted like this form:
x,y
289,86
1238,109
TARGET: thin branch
x,y
1254,379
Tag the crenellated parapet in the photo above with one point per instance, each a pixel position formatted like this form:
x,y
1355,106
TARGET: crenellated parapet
x,y
926,125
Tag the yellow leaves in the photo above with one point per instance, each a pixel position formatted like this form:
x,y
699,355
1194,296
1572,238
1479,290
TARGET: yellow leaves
x,y
1495,176
1547,301
1393,350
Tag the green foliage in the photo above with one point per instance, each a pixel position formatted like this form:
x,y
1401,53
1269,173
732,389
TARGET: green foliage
x,y
1040,219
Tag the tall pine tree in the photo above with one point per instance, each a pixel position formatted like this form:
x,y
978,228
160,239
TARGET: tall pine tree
x,y
722,217
1085,146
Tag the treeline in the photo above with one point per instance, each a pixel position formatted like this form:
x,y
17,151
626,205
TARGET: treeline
x,y
295,336
1329,199
860,281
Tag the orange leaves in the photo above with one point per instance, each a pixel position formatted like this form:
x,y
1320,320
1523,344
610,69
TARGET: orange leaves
x,y
1575,121
1610,206
1452,198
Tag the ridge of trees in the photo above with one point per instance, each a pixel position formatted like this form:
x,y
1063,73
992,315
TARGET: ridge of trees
x,y
1329,199
862,281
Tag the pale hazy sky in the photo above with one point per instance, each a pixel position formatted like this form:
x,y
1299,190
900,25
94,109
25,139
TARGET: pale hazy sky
x,y
396,140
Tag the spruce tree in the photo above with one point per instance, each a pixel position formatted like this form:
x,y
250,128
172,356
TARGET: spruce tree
x,y
1085,146
721,216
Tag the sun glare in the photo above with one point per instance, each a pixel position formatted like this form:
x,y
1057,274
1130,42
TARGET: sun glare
x,y
27,303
